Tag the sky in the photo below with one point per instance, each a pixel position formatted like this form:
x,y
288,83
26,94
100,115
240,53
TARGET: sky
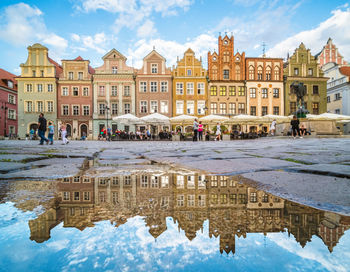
x,y
90,28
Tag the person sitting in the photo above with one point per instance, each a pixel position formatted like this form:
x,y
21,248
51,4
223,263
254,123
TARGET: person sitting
x,y
207,136
302,130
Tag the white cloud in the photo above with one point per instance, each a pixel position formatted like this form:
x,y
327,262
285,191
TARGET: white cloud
x,y
337,27
24,24
113,6
147,29
97,42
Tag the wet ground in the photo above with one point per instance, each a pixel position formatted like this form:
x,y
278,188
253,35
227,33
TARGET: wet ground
x,y
278,205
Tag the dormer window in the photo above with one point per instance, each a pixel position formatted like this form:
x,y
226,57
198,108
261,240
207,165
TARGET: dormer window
x,y
114,70
10,84
154,68
189,72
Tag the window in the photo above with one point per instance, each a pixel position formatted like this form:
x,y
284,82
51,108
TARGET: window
x,y
49,106
143,106
293,107
223,91
179,88
70,75
213,108
241,91
328,99
86,196
310,72
154,107
76,195
114,108
102,108
232,108
34,73
10,84
200,88
223,198
337,111
11,114
40,88
126,90
75,91
260,73
265,198
115,181
296,71
29,106
241,108
127,180
144,181
65,110
164,107
29,88
86,110
251,72
222,108
276,110
154,181
268,73
253,110
189,72
101,91
213,90
315,107
264,92
114,69
263,110
201,200
143,87
42,73
232,91
164,86
154,86
180,181
200,107
39,106
233,199
315,89
86,91
179,107
337,96
252,92
165,181
80,75
277,73
214,181
127,108
180,200
190,107
226,57
226,74
50,88
66,196
12,99
190,201
76,179
276,93
64,91
214,199
242,199
253,197
190,88
102,197
154,68
75,110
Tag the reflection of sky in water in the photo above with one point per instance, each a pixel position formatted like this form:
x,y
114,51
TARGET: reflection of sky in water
x,y
130,247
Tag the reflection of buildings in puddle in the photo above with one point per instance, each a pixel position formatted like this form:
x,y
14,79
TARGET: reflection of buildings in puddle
x,y
233,209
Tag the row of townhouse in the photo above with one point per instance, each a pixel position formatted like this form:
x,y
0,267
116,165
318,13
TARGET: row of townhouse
x,y
87,99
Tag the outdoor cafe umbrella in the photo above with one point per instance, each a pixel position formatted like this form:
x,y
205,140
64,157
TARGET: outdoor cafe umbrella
x,y
183,119
270,117
243,119
212,118
330,116
129,119
155,119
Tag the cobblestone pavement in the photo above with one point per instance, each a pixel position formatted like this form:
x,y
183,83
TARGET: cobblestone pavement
x,y
310,171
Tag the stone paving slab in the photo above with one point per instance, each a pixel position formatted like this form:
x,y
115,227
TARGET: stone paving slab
x,y
330,169
319,191
18,157
9,166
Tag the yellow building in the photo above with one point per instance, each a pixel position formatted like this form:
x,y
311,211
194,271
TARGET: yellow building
x,y
189,86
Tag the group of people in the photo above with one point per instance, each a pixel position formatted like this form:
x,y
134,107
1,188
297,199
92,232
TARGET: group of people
x,y
298,129
106,134
198,131
43,128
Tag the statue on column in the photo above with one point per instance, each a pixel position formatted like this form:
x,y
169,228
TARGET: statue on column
x,y
299,90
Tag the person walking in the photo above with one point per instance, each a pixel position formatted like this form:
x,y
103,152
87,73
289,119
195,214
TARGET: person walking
x,y
273,128
195,130
200,131
109,133
295,126
64,133
51,132
218,132
42,129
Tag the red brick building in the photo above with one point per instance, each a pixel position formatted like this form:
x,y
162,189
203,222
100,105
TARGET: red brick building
x,y
8,104
74,97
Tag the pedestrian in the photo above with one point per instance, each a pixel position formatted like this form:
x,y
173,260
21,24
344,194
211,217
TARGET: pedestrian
x,y
109,133
42,129
218,132
200,131
273,128
295,126
51,132
195,130
64,133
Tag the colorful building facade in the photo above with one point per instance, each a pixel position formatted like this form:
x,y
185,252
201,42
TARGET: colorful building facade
x,y
8,104
227,87
190,86
303,67
330,53
74,98
37,88
113,92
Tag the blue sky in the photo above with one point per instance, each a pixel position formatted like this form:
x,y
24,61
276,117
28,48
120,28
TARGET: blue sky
x,y
91,28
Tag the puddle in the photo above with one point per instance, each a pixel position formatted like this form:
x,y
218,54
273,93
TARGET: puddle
x,y
157,218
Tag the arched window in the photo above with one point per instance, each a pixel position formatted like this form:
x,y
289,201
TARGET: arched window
x,y
277,73
260,73
238,72
268,73
251,72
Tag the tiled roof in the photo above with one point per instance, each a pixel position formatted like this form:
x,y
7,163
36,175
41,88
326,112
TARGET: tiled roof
x,y
91,70
59,69
345,70
79,58
5,77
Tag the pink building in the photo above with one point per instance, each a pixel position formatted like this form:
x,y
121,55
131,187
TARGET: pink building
x,y
330,53
8,104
